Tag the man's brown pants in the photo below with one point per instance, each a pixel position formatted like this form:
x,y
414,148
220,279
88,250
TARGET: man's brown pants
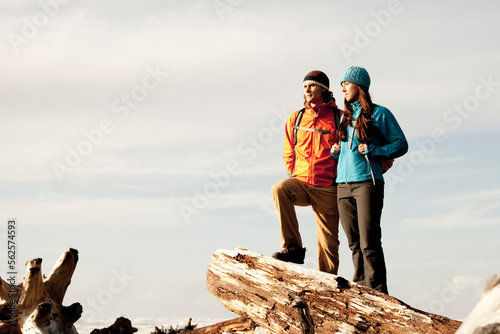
x,y
290,192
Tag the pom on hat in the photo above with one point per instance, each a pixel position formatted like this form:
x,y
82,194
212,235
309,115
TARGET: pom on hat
x,y
357,75
318,78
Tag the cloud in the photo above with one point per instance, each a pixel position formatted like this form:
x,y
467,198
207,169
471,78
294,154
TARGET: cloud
x,y
61,209
468,210
441,161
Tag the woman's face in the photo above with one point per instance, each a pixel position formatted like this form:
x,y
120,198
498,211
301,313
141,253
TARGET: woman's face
x,y
351,91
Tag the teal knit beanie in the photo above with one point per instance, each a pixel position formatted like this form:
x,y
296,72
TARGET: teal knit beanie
x,y
357,75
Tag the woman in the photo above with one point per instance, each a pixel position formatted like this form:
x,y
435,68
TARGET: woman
x,y
368,134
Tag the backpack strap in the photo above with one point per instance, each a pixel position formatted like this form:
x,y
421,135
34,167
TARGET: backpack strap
x,y
323,132
336,116
296,126
295,130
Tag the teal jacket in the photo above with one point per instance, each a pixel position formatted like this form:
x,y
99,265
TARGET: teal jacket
x,y
387,142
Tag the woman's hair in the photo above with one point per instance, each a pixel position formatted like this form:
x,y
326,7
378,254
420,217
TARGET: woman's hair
x,y
363,120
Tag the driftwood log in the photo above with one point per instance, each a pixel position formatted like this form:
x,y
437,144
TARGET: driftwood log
x,y
485,317
121,325
238,325
288,298
35,305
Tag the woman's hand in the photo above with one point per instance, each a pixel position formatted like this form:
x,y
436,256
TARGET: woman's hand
x,y
362,148
335,148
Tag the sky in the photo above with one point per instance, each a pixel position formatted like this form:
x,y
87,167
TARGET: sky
x,y
147,135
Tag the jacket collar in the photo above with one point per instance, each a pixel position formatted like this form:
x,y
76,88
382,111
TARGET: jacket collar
x,y
322,108
356,109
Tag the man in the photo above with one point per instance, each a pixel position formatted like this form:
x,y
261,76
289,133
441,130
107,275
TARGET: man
x,y
312,170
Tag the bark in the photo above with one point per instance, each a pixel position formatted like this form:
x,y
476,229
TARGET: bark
x,y
287,298
35,305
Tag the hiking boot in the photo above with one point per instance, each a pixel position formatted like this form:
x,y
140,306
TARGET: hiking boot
x,y
292,253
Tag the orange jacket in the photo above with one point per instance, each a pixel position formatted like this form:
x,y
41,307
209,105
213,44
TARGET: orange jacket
x,y
313,163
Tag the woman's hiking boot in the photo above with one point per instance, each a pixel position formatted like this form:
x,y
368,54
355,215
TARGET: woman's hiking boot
x,y
292,253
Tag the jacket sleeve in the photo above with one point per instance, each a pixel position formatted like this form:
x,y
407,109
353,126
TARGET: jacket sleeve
x,y
335,155
288,155
396,144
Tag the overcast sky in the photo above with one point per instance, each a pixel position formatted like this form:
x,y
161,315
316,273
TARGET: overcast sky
x,y
147,134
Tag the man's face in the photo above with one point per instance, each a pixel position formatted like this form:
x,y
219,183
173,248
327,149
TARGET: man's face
x,y
313,93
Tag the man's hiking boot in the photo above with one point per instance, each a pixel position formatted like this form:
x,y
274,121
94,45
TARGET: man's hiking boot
x,y
292,253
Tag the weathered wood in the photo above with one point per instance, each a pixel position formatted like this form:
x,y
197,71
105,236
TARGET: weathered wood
x,y
60,277
35,305
240,325
121,325
306,323
33,289
264,289
485,317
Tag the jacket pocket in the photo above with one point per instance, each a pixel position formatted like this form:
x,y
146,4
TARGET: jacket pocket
x,y
361,165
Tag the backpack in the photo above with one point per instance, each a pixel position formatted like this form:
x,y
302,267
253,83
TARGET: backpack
x,y
296,127
336,115
386,163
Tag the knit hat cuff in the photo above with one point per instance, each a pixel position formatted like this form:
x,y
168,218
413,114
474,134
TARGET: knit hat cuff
x,y
317,83
318,78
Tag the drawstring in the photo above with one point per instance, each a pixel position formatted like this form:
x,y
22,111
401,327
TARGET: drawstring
x,y
350,139
366,156
371,171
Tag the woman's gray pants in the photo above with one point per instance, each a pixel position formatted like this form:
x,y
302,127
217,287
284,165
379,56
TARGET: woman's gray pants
x,y
360,208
